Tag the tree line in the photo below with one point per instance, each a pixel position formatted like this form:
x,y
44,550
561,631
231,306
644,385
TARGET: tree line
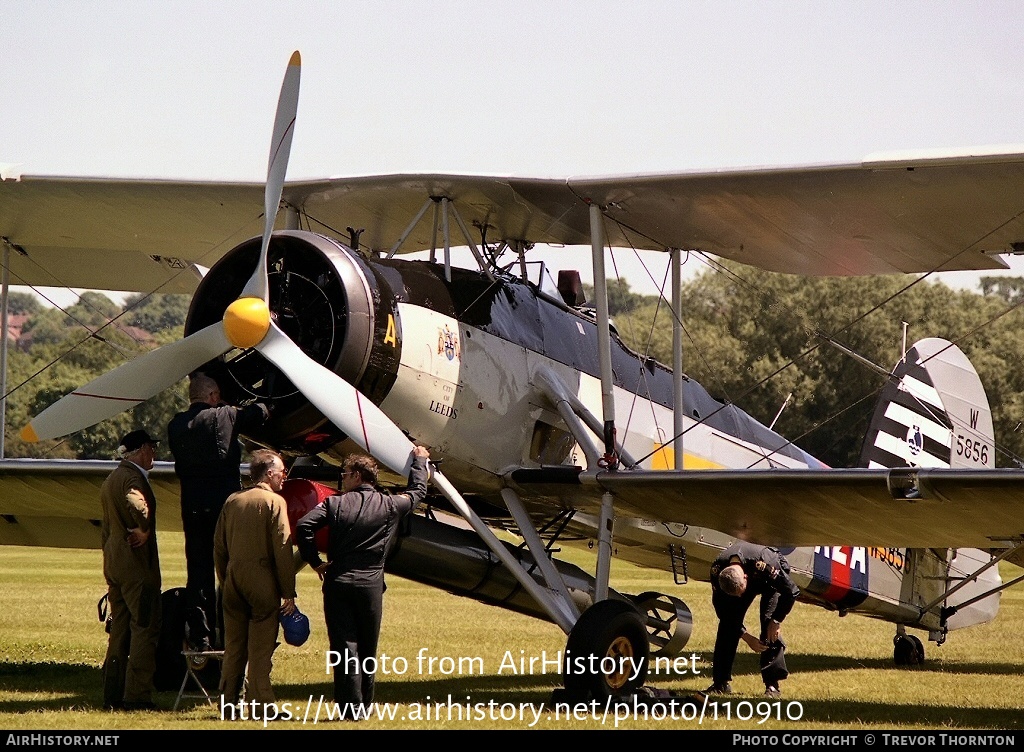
x,y
754,338
59,350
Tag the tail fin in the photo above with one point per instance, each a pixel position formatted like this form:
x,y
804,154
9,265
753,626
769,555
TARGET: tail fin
x,y
932,413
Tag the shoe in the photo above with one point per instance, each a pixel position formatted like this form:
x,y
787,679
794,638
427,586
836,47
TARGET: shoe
x,y
719,689
773,692
139,705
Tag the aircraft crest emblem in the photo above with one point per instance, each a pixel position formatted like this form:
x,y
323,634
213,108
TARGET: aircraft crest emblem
x,y
448,343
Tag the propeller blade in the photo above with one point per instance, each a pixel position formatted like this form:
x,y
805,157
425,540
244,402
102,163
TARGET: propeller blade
x,y
277,167
141,378
341,402
127,385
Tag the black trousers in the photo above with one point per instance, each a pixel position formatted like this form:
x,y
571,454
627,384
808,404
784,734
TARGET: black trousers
x,y
353,615
201,587
730,611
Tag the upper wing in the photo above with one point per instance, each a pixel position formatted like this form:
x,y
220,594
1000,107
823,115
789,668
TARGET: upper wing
x,y
915,508
110,234
875,217
57,502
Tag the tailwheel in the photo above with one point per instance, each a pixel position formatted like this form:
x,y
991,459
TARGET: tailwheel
x,y
607,652
908,650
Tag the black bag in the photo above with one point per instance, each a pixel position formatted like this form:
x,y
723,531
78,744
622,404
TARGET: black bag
x,y
170,663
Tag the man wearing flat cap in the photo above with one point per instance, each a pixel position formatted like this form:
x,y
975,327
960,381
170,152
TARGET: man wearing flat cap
x,y
131,567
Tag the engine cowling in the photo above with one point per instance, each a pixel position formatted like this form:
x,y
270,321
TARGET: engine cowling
x,y
332,303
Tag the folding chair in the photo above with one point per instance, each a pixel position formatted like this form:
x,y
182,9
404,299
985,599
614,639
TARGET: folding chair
x,y
195,662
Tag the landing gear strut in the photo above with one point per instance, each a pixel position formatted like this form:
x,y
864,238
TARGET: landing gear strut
x,y
607,652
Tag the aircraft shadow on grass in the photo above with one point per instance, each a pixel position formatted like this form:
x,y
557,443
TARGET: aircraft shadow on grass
x,y
895,715
801,663
79,686
481,688
76,685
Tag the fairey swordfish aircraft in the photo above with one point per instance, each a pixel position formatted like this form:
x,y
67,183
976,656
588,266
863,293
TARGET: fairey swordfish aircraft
x,y
547,425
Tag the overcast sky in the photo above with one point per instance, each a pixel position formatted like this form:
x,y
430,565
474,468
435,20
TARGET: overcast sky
x,y
188,89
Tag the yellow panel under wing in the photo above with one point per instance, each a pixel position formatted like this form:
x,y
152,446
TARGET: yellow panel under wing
x,y
664,459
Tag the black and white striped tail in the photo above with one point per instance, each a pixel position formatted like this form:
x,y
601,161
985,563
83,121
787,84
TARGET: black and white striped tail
x,y
932,413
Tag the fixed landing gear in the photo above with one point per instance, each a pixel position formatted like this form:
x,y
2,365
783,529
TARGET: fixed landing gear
x,y
607,653
908,650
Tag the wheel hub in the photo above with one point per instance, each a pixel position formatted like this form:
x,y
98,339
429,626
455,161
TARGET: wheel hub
x,y
621,651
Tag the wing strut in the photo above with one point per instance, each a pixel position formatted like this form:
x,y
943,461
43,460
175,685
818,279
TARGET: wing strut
x,y
540,554
575,414
604,351
472,245
542,596
446,230
411,226
4,287
604,546
446,205
950,610
677,358
604,337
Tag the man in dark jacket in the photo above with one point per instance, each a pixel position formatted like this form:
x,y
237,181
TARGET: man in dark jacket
x,y
207,453
739,574
362,524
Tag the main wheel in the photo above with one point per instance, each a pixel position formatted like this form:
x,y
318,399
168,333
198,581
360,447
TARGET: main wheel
x,y
908,650
607,652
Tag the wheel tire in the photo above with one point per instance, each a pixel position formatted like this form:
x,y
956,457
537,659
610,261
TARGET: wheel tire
x,y
917,657
908,650
608,629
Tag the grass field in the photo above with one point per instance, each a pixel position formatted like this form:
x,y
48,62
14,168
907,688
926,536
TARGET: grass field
x,y
843,675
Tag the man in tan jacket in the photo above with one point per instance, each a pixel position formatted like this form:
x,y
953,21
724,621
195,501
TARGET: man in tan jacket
x,y
131,567
256,568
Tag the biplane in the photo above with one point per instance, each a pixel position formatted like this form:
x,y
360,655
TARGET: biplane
x,y
524,392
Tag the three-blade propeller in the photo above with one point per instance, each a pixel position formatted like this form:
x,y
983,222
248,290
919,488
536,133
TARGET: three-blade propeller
x,y
247,323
